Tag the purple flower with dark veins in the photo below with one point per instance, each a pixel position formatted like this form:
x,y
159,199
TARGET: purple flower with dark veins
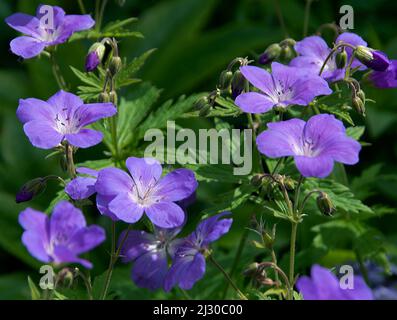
x,y
63,117
313,51
324,285
82,187
283,87
127,197
314,144
50,26
386,79
60,238
188,265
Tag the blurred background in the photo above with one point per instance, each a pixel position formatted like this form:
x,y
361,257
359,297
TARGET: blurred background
x,y
195,40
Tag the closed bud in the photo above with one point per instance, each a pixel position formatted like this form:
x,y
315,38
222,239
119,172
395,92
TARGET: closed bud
x,y
289,183
103,97
30,190
113,97
341,59
325,204
257,180
238,84
271,53
115,65
361,95
66,276
376,60
251,270
358,105
225,79
287,53
288,42
95,56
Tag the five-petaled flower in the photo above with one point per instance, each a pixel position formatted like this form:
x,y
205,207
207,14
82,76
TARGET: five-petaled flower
x,y
324,285
127,197
60,238
283,87
314,144
50,26
63,117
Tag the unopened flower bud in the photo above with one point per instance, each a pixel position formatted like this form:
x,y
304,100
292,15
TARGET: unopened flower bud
x,y
289,183
325,204
66,276
341,59
358,105
271,53
361,95
30,190
103,97
113,97
115,65
95,56
238,83
257,180
225,79
251,270
373,59
287,53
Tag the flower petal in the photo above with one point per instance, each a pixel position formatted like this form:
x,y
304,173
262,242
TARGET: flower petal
x,y
102,203
34,109
63,254
112,181
87,171
71,24
342,149
177,185
24,23
313,46
282,139
42,134
86,239
361,291
81,188
259,78
354,40
150,269
85,138
26,47
212,228
165,214
35,237
124,208
319,167
136,244
145,172
92,112
253,102
322,127
65,100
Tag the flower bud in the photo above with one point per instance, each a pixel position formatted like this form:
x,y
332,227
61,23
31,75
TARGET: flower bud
x,y
287,53
113,97
341,59
238,83
200,103
359,105
324,204
95,56
30,190
373,59
361,95
115,65
252,270
225,79
103,97
271,53
257,180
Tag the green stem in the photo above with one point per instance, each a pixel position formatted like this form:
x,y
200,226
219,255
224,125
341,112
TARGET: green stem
x,y
280,18
81,5
100,14
297,194
307,17
70,161
274,260
217,265
237,257
340,45
56,72
294,228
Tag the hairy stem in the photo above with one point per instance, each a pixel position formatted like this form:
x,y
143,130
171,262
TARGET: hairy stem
x,y
70,161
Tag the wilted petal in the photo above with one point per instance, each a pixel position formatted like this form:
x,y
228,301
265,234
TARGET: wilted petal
x,y
166,214
26,47
177,185
253,102
42,134
281,139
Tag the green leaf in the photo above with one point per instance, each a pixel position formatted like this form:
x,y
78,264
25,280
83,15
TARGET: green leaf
x,y
216,172
118,24
88,78
337,111
34,291
355,132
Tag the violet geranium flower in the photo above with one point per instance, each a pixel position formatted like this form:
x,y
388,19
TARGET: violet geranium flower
x,y
64,116
188,265
61,237
386,79
283,87
313,51
145,191
50,26
314,144
324,285
82,187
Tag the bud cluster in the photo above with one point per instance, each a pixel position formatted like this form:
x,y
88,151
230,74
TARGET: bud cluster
x,y
283,50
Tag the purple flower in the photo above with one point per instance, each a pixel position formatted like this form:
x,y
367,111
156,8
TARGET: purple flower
x,y
92,61
60,238
314,144
313,52
149,253
283,87
64,116
82,187
379,61
50,26
385,79
324,285
126,197
188,265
